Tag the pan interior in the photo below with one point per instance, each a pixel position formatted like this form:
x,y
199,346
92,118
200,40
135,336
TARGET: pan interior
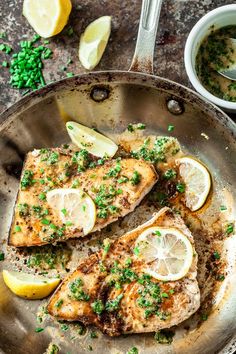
x,y
109,106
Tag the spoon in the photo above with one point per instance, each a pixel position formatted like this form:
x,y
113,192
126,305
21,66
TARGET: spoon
x,y
230,73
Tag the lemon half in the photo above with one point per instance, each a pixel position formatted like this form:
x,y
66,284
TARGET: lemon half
x,y
197,181
94,142
167,253
93,42
47,17
74,206
29,286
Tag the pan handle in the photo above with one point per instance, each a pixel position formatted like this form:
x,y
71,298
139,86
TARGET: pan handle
x,y
145,45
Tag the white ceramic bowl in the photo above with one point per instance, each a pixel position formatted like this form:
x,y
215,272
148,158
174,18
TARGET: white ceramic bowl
x,y
220,17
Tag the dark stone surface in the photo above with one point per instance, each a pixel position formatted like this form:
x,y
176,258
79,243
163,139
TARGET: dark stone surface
x,y
177,19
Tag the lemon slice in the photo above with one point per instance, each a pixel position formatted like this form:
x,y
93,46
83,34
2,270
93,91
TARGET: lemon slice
x,y
47,17
94,41
86,138
75,208
197,181
29,286
167,252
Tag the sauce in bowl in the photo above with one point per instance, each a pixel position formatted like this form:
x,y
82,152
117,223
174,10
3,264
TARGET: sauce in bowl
x,y
217,54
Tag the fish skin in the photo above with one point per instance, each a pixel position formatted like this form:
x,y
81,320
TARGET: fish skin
x,y
129,318
32,234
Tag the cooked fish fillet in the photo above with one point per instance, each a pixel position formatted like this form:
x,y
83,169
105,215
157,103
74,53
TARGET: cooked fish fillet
x,y
109,289
120,184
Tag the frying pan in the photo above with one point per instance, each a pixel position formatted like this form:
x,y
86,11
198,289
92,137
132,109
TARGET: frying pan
x,y
109,101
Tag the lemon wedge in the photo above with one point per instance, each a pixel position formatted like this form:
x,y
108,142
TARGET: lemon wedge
x,y
93,42
47,17
74,207
86,138
167,252
29,286
197,181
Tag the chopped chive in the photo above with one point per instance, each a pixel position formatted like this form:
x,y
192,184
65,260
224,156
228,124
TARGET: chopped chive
x,y
42,196
64,211
171,128
136,251
216,255
45,221
39,329
223,207
2,256
180,187
17,228
230,229
69,74
158,233
70,127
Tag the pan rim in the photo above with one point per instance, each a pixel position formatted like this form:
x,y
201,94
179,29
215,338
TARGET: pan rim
x,y
113,76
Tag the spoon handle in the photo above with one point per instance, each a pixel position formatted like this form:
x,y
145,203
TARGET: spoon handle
x,y
145,45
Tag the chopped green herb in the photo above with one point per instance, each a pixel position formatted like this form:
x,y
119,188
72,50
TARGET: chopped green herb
x,y
204,316
132,350
157,232
70,127
42,196
223,208
77,292
216,255
180,187
64,327
123,179
98,307
113,305
2,256
136,178
69,74
27,179
164,336
230,228
128,262
171,128
45,221
169,174
17,228
93,335
23,209
136,251
69,31
5,48
39,329
59,303
220,277
90,348
64,211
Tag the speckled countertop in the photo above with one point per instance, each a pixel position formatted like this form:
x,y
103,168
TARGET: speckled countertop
x,y
177,19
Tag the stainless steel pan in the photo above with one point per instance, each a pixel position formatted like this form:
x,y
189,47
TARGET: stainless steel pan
x,y
109,101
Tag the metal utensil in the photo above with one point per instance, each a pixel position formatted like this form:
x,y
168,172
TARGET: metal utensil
x,y
110,101
230,73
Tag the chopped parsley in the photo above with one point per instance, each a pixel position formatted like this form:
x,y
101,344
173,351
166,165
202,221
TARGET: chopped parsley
x,y
17,228
132,127
113,305
93,335
64,327
2,256
48,156
122,179
164,336
216,255
136,251
76,291
39,329
27,179
59,303
154,154
136,178
114,172
23,209
98,307
104,199
171,128
82,159
169,174
180,187
223,208
230,229
42,196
